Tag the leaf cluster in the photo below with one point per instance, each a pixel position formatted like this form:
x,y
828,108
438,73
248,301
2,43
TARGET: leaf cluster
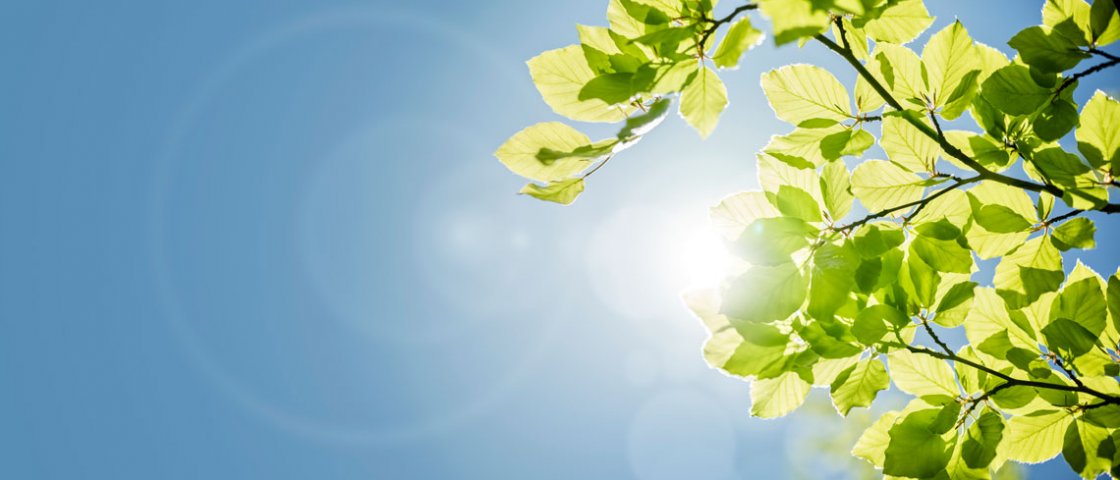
x,y
841,268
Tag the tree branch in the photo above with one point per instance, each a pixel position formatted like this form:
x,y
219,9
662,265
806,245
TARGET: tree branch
x,y
720,22
947,147
1113,60
1011,381
919,203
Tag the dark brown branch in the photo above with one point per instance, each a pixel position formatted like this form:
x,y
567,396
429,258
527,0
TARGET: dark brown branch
x,y
1084,73
919,203
720,22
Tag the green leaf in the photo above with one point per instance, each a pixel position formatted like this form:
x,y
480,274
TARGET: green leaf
x,y
833,277
765,294
1028,272
1113,301
1055,120
915,450
612,88
1075,233
1098,137
836,184
859,385
1104,23
803,145
631,19
1012,90
1001,219
560,75
740,37
849,141
805,93
899,23
1036,437
1082,301
703,100
880,185
922,375
1046,49
563,192
948,59
777,397
907,146
874,239
771,241
872,445
736,212
793,19
1070,17
978,449
519,153
797,203
1068,337
942,255
1083,450
999,213
902,72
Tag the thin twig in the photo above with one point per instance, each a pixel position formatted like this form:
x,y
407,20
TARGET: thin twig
x,y
718,23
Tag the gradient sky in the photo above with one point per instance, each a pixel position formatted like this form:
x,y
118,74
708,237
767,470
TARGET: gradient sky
x,y
267,239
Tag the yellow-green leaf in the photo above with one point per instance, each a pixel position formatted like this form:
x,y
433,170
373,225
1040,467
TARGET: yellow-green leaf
x,y
703,100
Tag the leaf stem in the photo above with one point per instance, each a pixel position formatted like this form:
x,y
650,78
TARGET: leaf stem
x,y
720,22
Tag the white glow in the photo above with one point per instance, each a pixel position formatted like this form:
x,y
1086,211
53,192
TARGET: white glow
x,y
641,259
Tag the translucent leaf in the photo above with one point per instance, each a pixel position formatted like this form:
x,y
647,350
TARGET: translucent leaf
x,y
922,375
982,438
777,397
915,449
1070,17
1055,120
990,320
1031,270
903,73
899,23
1012,90
1104,23
803,145
872,445
880,185
1098,137
907,146
740,37
872,240
1046,49
833,277
948,59
1002,215
560,75
563,192
703,100
1075,233
1036,437
942,255
1068,338
792,20
1082,301
772,241
836,188
736,212
797,203
765,294
519,153
859,385
803,93
1085,449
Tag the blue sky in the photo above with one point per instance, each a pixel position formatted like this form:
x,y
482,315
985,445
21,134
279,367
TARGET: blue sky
x,y
266,239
